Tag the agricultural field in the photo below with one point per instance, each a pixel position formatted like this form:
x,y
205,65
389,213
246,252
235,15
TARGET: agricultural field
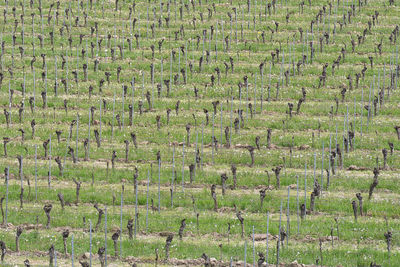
x,y
200,133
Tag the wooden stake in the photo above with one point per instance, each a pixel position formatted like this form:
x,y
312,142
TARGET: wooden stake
x,y
195,155
112,125
267,239
322,168
173,177
315,163
7,181
35,172
136,206
88,149
305,188
159,181
34,92
183,166
361,110
254,250
72,249
279,235
90,243
220,138
120,238
105,235
123,106
49,178
133,100
297,203
288,217
245,253
202,137
212,140
147,200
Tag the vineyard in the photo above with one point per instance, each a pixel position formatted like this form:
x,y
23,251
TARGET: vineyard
x,y
200,133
